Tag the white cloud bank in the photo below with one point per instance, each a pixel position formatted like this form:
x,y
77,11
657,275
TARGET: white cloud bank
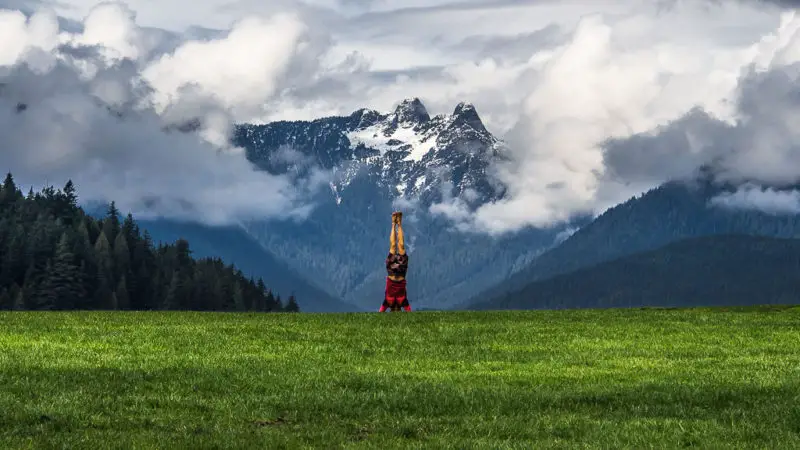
x,y
623,106
97,104
599,100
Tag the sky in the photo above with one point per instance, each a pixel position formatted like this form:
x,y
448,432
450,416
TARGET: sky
x,y
597,100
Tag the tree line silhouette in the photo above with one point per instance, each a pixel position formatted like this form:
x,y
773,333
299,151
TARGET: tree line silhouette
x,y
55,256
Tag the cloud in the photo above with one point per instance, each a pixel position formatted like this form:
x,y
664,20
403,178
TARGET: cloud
x,y
759,198
236,73
757,143
623,106
597,100
99,107
605,100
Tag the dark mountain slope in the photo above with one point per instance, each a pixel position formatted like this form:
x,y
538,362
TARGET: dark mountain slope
x,y
671,212
235,246
729,270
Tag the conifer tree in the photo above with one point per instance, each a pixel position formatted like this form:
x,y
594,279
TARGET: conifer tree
x,y
238,297
121,294
272,303
171,300
122,256
291,304
105,274
65,280
20,302
6,302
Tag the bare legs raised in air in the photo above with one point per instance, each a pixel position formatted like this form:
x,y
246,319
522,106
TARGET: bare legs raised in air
x,y
395,296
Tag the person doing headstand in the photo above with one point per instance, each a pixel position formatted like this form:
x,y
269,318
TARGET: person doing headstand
x,y
396,267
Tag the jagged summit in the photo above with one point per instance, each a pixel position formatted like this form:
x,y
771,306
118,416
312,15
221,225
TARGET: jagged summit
x,y
466,114
403,151
410,134
411,111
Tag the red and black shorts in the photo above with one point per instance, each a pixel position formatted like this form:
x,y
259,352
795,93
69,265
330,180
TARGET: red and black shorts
x,y
395,297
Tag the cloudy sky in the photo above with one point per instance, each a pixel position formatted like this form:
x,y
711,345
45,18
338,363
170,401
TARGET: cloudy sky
x,y
599,100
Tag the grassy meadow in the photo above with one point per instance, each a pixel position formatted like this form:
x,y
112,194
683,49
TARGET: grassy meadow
x,y
640,378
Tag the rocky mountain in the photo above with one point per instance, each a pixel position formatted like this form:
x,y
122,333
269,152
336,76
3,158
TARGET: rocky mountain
x,y
377,160
405,153
724,270
672,212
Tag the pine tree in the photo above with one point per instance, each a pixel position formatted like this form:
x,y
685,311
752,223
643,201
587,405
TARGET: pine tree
x,y
130,230
70,195
30,287
105,266
6,302
218,296
65,280
10,192
121,294
8,184
171,300
46,297
122,256
20,302
291,305
111,224
238,297
272,303
12,266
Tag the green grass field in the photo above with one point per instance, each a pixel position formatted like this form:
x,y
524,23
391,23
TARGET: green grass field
x,y
559,379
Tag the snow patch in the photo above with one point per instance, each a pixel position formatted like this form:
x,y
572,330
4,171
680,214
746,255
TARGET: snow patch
x,y
403,138
335,193
372,137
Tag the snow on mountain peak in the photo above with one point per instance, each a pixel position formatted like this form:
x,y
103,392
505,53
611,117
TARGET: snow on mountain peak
x,y
404,151
466,114
411,130
411,111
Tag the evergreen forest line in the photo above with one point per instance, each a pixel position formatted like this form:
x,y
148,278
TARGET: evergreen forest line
x,y
55,256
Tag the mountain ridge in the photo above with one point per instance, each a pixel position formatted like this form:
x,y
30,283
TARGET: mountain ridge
x,y
717,270
674,211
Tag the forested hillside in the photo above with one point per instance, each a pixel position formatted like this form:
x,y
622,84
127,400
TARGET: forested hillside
x,y
729,270
672,212
55,256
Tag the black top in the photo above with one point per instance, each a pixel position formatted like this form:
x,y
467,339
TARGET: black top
x,y
397,265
